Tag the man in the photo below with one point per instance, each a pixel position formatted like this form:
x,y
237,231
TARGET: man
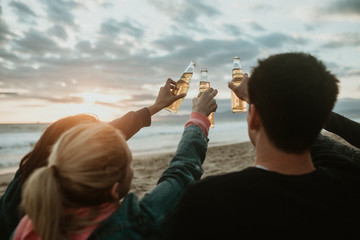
x,y
291,191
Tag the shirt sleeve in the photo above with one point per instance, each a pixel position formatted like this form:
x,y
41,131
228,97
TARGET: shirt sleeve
x,y
200,120
132,122
326,147
345,128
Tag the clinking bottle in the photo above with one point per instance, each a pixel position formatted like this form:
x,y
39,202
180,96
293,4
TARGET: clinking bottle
x,y
204,85
237,104
182,86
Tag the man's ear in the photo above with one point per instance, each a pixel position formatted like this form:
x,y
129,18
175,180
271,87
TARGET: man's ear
x,y
254,118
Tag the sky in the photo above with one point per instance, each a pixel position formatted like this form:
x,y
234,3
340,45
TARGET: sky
x,y
59,58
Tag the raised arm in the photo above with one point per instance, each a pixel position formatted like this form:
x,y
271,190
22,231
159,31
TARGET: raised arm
x,y
133,121
345,128
185,166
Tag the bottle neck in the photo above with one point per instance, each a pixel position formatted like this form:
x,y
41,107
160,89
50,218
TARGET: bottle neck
x,y
190,68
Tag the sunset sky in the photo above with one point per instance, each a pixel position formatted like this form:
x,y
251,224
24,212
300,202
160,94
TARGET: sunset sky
x,y
59,58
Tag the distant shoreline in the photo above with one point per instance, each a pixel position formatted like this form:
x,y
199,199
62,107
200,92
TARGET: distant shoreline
x,y
348,107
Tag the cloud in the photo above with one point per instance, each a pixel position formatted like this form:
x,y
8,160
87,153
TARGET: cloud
x,y
84,46
255,26
276,40
343,7
5,32
63,100
58,31
60,11
343,40
187,13
7,94
213,50
261,7
354,72
232,29
112,27
35,42
173,42
8,55
26,94
23,12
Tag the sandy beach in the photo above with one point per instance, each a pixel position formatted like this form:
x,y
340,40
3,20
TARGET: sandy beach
x,y
147,169
219,159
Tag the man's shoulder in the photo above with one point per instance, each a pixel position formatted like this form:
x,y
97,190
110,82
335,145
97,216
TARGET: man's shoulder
x,y
244,173
228,181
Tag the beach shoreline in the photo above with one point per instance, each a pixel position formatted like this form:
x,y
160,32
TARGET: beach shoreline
x,y
148,168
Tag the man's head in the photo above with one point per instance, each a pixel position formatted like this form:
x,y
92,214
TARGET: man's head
x,y
293,94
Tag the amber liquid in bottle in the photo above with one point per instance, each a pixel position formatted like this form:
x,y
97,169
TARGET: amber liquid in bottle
x,y
182,86
237,104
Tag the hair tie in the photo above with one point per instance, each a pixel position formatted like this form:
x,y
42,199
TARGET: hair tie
x,y
55,171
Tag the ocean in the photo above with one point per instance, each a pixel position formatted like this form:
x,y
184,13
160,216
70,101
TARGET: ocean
x,y
162,136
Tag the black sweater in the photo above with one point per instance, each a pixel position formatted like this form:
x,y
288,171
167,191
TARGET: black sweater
x,y
255,203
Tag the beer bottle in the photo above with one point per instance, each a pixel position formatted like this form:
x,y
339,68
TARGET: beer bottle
x,y
182,86
204,85
237,105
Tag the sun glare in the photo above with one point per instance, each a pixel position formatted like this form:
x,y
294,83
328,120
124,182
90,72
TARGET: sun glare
x,y
102,105
93,98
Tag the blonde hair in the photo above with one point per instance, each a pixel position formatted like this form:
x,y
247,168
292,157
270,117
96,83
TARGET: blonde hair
x,y
84,165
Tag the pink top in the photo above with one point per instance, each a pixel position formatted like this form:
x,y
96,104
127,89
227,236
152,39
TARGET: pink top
x,y
200,120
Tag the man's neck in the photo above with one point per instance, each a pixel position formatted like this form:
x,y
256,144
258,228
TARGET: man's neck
x,y
270,157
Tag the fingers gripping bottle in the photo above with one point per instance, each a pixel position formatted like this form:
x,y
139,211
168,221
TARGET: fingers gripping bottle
x,y
182,86
237,104
204,85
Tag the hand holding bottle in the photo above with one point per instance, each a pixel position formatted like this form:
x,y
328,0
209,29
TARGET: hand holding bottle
x,y
165,97
182,86
241,91
206,103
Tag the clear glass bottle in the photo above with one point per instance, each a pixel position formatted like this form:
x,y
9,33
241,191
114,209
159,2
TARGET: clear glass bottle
x,y
204,85
237,104
182,86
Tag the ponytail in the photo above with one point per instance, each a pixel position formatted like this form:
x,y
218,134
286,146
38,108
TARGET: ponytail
x,y
84,165
42,203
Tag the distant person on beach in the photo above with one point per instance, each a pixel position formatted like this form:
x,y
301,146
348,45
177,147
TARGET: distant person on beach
x,y
77,195
129,124
298,186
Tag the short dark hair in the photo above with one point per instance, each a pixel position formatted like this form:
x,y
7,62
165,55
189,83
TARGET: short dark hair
x,y
294,94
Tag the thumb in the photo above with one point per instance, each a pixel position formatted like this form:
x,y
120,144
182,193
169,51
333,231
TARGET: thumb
x,y
180,96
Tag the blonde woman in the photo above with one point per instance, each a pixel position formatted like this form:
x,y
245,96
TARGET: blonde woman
x,y
77,195
129,124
